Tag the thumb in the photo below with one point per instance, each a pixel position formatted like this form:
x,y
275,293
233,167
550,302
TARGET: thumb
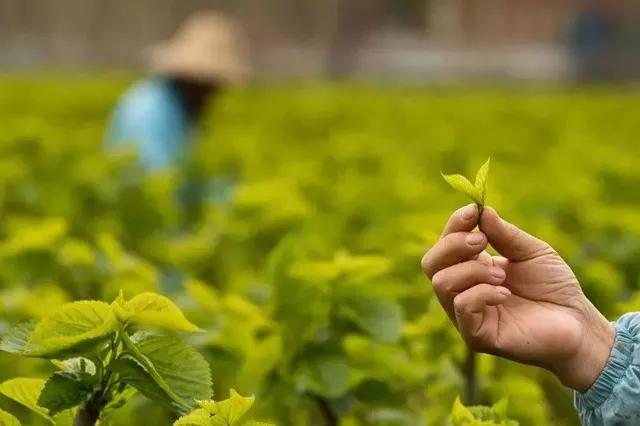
x,y
509,240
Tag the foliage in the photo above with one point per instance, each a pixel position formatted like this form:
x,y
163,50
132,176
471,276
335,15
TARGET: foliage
x,y
292,238
495,415
223,413
103,352
477,191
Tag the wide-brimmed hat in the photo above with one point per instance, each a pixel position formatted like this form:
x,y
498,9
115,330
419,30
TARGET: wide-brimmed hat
x,y
208,46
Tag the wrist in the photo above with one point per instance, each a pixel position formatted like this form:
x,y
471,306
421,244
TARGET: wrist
x,y
582,368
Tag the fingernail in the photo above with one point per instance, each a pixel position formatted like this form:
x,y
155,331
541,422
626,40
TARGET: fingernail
x,y
498,273
469,212
503,291
475,238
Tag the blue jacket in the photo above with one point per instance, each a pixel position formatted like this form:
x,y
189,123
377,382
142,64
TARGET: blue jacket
x,y
614,399
150,118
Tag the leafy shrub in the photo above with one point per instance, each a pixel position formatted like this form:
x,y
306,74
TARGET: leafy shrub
x,y
107,352
293,236
495,415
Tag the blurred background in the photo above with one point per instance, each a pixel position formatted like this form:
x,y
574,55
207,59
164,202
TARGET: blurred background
x,y
287,214
398,39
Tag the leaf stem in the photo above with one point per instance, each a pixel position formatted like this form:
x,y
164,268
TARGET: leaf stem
x,y
470,378
330,417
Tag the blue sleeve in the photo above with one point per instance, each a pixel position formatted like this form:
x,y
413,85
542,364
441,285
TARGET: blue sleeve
x,y
148,120
614,399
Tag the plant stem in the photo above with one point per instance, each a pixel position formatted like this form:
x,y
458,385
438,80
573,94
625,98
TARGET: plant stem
x,y
329,416
470,378
87,415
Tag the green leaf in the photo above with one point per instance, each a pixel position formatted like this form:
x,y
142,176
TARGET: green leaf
x,y
177,370
25,391
231,410
129,371
480,415
500,409
198,417
379,317
460,415
34,235
356,267
15,340
76,365
478,191
74,328
151,309
65,390
7,419
462,184
222,413
66,418
324,374
208,405
481,180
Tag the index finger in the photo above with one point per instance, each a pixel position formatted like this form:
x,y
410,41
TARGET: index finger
x,y
462,220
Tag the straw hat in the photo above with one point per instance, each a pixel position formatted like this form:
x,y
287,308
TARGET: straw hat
x,y
206,47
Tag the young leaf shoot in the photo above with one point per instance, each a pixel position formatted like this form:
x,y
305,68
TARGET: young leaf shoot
x,y
478,191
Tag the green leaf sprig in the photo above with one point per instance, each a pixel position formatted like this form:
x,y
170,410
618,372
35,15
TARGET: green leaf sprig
x,y
478,191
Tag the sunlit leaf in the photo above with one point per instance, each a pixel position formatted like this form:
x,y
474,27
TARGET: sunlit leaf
x,y
37,234
198,417
480,415
76,365
478,191
462,184
7,419
481,180
25,391
460,415
231,410
15,340
75,327
209,405
152,309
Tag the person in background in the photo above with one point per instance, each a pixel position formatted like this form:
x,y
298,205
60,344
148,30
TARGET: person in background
x,y
159,115
527,305
593,39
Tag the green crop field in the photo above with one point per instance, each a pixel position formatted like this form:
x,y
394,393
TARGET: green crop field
x,y
294,234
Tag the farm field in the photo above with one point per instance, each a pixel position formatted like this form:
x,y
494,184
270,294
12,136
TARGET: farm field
x,y
293,235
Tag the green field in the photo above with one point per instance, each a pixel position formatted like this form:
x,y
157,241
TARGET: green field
x,y
293,236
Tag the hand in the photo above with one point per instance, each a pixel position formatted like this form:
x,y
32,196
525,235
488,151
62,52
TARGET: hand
x,y
525,305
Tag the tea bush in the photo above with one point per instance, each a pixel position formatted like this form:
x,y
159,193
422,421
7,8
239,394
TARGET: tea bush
x,y
293,235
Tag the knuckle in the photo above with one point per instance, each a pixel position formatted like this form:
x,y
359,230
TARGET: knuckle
x,y
454,239
453,245
439,282
425,264
476,268
459,304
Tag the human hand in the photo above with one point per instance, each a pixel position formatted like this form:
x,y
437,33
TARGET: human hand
x,y
525,305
